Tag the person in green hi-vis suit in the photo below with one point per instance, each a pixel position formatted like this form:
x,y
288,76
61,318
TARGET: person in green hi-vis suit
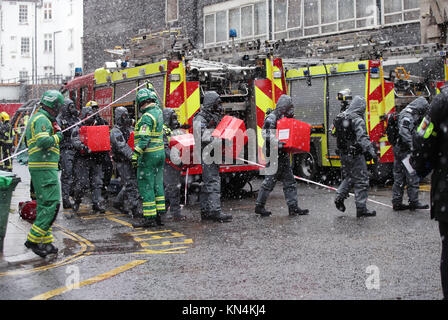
x,y
149,156
43,136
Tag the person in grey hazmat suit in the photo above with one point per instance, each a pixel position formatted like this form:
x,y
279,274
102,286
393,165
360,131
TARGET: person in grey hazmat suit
x,y
88,168
171,172
128,199
408,121
355,149
204,122
284,108
68,117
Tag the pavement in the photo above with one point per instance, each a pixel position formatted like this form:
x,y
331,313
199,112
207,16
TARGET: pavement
x,y
14,251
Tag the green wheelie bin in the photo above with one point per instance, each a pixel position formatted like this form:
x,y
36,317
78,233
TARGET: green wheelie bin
x,y
8,182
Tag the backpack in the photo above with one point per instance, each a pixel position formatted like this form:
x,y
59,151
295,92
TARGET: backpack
x,y
392,131
343,131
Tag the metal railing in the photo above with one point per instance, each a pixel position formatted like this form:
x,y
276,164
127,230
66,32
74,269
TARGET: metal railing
x,y
45,79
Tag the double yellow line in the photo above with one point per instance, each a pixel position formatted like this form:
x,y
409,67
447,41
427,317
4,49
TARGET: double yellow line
x,y
86,249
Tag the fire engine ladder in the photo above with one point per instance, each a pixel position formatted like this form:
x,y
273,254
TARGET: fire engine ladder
x,y
218,70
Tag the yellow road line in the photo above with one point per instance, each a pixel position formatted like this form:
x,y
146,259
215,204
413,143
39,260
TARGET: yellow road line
x,y
166,243
104,276
120,221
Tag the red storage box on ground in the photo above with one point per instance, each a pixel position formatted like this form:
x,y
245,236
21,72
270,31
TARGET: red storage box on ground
x,y
295,133
232,130
185,144
97,138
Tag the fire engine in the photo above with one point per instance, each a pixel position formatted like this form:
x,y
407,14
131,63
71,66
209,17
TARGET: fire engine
x,y
387,82
248,87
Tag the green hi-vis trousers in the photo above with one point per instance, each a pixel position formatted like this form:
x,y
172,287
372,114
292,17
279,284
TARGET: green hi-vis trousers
x,y
150,182
48,194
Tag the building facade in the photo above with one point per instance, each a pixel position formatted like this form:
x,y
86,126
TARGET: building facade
x,y
40,41
301,23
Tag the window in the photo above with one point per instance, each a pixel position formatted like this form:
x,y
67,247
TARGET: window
x,y
48,42
23,14
298,18
25,46
249,21
172,10
23,75
70,39
400,11
70,7
48,15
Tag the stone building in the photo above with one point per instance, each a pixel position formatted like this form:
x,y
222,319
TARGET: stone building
x,y
308,27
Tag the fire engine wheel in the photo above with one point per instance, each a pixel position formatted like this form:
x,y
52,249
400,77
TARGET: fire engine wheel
x,y
306,166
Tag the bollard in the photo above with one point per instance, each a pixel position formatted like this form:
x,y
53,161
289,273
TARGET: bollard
x,y
8,182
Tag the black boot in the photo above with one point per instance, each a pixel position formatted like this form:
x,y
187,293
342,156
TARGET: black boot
x,y
50,248
145,223
365,213
339,203
261,210
205,216
76,205
96,207
418,205
37,248
294,211
399,207
159,220
220,217
67,204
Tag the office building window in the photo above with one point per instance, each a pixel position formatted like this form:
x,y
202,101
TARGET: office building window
x,y
48,42
249,20
23,75
25,46
48,13
302,18
23,14
400,11
172,10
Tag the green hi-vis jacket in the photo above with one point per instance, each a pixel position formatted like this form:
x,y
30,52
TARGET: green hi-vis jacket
x,y
149,131
43,144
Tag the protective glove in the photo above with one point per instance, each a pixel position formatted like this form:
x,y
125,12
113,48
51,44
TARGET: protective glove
x,y
56,127
134,160
85,150
185,126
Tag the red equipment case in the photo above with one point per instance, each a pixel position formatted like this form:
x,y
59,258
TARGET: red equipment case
x,y
295,133
185,144
97,138
232,130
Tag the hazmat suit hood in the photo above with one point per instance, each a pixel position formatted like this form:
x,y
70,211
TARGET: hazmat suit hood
x,y
122,117
357,106
85,112
212,102
284,107
170,118
418,107
68,109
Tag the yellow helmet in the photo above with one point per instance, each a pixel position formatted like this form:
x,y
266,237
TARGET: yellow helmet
x,y
92,104
5,116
